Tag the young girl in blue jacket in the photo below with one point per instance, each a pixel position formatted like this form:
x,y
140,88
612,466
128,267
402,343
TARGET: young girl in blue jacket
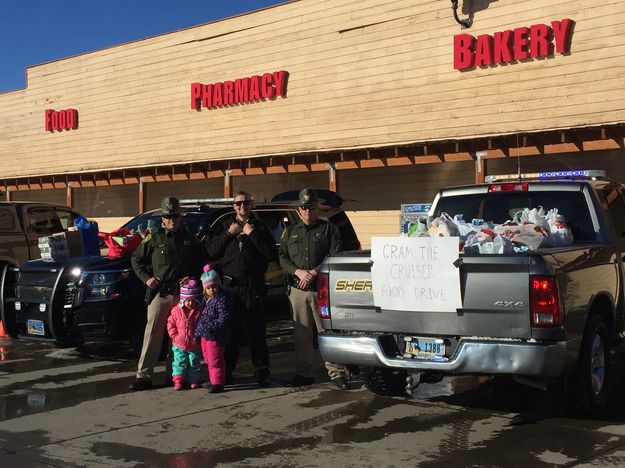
x,y
214,328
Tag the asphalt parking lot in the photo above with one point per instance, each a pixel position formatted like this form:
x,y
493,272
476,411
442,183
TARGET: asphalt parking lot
x,y
72,407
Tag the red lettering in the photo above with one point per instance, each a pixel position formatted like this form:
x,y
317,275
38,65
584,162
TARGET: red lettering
x,y
196,92
539,43
280,78
520,43
218,94
228,92
62,120
207,96
55,120
267,90
502,49
255,88
49,119
561,30
463,53
241,90
507,46
484,50
72,118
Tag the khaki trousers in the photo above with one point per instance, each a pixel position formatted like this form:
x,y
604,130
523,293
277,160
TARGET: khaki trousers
x,y
305,316
158,312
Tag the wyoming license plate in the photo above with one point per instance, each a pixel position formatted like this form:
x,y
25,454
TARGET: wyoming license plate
x,y
431,349
35,327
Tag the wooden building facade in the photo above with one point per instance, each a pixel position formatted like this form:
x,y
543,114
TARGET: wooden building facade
x,y
364,97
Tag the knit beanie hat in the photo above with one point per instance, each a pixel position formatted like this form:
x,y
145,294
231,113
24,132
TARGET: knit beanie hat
x,y
190,289
210,277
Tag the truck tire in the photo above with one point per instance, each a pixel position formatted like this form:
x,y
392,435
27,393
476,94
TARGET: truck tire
x,y
586,391
383,381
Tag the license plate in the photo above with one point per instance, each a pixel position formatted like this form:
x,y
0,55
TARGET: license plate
x,y
35,327
431,349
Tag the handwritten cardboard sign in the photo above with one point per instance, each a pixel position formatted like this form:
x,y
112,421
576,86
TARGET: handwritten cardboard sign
x,y
415,273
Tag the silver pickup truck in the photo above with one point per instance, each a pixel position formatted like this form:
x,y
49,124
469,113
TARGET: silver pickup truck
x,y
546,316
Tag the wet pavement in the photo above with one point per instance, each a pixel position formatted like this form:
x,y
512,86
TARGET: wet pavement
x,y
72,407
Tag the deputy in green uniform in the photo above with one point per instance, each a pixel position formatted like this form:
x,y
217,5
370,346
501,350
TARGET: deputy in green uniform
x,y
161,261
303,246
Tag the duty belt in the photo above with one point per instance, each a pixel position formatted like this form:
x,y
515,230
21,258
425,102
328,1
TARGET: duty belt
x,y
170,287
293,281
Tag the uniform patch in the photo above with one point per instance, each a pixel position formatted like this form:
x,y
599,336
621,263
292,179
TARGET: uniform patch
x,y
147,238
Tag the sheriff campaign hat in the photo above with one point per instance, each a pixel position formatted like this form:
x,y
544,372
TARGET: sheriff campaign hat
x,y
308,197
170,206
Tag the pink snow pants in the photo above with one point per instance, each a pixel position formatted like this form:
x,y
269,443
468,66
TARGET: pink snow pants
x,y
213,354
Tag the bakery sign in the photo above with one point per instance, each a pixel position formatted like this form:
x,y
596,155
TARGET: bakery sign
x,y
512,45
239,91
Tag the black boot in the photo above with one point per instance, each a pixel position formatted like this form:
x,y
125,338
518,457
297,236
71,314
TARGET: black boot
x,y
262,377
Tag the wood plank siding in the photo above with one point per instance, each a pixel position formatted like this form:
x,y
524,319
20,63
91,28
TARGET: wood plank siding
x,y
362,74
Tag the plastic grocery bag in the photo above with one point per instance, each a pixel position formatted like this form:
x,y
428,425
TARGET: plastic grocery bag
x,y
443,226
531,235
89,232
464,228
121,243
559,232
509,229
535,216
418,228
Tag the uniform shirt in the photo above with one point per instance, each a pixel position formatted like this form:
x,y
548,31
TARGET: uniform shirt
x,y
241,255
169,256
305,247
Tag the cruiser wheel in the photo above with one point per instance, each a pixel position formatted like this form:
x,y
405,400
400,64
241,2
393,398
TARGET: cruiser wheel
x,y
587,390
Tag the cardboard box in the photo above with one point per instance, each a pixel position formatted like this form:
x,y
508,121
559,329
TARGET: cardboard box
x,y
61,246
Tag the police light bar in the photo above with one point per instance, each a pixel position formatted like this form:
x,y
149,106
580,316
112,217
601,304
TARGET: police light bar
x,y
205,201
588,174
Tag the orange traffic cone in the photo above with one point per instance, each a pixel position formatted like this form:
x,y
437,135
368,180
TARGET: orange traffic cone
x,y
3,332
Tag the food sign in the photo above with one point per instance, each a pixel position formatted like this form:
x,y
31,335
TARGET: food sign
x,y
415,273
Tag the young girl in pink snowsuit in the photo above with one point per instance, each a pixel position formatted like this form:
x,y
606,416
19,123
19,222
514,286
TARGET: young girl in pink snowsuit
x,y
181,326
214,328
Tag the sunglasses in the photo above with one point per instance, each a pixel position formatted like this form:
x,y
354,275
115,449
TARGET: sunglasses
x,y
308,207
172,216
243,202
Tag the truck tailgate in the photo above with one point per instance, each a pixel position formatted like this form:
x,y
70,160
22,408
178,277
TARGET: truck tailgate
x,y
495,294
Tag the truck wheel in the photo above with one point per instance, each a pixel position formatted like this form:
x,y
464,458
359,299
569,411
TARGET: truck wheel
x,y
586,391
383,381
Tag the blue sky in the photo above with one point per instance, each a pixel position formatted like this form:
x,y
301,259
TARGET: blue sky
x,y
37,31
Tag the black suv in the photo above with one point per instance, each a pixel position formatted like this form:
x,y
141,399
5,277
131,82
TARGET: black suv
x,y
97,298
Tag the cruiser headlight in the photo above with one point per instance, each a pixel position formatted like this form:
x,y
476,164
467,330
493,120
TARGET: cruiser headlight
x,y
103,285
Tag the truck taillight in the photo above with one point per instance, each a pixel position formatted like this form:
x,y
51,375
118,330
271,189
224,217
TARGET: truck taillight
x,y
544,302
518,187
323,295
